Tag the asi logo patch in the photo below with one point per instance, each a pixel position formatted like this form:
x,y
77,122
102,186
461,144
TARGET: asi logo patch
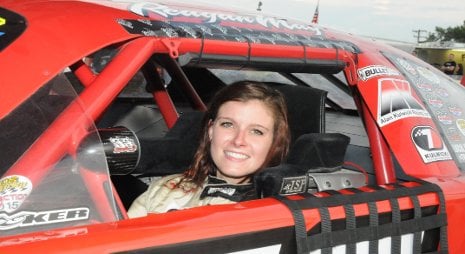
x,y
429,144
395,102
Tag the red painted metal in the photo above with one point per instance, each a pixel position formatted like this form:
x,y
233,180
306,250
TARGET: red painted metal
x,y
83,73
381,156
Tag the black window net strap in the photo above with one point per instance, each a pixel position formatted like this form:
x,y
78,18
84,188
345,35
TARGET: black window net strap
x,y
299,224
416,247
375,231
346,236
396,219
351,222
326,229
443,243
373,223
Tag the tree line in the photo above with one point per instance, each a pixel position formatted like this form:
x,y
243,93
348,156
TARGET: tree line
x,y
456,34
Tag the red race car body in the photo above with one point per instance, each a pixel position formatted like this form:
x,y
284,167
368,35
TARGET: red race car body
x,y
97,98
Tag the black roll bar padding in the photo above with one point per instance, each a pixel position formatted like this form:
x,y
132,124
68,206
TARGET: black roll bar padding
x,y
119,145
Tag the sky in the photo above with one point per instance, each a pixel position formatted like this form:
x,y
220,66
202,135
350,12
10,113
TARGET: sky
x,y
387,19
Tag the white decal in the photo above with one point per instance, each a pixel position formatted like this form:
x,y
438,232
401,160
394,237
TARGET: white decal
x,y
293,185
429,144
407,66
429,75
224,190
396,101
27,218
14,190
141,8
123,144
458,148
125,23
372,71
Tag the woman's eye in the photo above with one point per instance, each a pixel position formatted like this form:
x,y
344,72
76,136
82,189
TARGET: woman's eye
x,y
226,124
257,132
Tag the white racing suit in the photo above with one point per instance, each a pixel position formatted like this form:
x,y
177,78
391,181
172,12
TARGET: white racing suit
x,y
167,194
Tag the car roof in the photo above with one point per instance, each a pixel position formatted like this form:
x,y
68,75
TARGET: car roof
x,y
59,33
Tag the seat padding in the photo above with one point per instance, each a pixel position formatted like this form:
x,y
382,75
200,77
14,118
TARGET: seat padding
x,y
174,152
306,108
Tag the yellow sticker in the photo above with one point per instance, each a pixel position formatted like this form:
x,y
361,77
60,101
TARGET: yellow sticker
x,y
2,21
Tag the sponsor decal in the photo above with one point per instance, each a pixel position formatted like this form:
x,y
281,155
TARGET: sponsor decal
x,y
224,190
458,148
429,75
442,92
407,66
461,157
453,134
2,22
14,190
434,101
445,118
293,185
455,110
397,102
123,144
126,23
425,87
429,144
372,71
28,218
460,123
145,8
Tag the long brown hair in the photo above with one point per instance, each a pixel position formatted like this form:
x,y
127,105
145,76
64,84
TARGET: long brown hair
x,y
243,91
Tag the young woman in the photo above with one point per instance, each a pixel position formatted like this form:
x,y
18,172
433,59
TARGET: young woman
x,y
244,130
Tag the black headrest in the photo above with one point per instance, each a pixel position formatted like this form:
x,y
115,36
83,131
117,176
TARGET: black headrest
x,y
319,150
323,152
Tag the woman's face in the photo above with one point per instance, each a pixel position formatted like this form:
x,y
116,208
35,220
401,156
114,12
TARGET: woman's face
x,y
241,137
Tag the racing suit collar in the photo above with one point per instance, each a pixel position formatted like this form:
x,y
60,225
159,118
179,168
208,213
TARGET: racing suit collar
x,y
216,187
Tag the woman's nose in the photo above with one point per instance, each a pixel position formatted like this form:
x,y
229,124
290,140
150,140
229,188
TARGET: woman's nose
x,y
240,138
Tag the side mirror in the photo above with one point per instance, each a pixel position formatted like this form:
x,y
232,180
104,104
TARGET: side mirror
x,y
119,145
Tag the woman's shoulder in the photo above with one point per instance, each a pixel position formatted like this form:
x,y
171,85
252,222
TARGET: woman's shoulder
x,y
171,182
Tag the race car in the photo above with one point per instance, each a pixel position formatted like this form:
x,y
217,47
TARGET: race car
x,y
100,98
